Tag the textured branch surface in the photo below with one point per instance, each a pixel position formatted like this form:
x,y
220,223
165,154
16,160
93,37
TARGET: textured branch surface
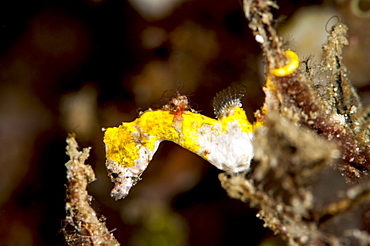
x,y
82,226
313,123
261,22
319,97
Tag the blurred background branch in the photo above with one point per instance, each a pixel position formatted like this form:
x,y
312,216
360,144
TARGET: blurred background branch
x,y
82,225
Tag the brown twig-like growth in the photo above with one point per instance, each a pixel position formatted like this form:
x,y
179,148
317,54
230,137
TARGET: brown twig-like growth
x,y
82,225
320,97
313,122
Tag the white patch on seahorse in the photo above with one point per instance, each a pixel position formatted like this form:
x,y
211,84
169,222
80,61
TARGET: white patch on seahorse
x,y
230,151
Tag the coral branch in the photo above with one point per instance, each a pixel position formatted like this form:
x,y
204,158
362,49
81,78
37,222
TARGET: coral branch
x,y
319,97
82,226
312,117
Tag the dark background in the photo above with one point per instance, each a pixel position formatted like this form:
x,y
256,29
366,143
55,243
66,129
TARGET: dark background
x,y
78,66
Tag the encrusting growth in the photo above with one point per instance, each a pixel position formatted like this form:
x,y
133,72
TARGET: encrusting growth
x,y
226,100
293,63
